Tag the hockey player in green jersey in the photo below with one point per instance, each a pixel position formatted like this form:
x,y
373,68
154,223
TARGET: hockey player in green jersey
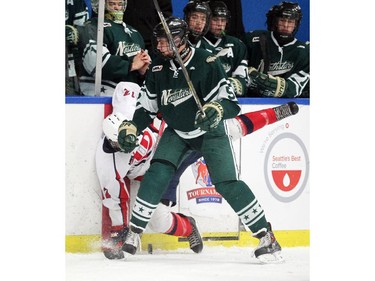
x,y
230,50
166,90
124,58
279,64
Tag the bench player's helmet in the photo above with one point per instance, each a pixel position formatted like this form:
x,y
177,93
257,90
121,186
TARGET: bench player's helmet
x,y
114,9
179,32
284,10
199,7
219,9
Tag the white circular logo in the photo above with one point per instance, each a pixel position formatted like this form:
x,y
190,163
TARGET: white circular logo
x,y
286,167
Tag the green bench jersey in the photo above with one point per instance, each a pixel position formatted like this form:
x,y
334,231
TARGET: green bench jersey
x,y
291,62
121,43
233,57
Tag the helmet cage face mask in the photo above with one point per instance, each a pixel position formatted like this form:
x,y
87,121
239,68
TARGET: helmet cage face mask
x,y
164,48
197,7
220,9
179,32
286,10
110,12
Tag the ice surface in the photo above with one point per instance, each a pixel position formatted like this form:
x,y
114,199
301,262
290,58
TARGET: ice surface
x,y
214,263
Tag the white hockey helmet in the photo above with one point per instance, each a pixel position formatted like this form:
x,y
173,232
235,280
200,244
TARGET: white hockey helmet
x,y
110,127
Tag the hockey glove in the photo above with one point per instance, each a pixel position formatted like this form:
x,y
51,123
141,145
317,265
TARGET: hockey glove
x,y
268,85
213,114
71,35
237,86
127,136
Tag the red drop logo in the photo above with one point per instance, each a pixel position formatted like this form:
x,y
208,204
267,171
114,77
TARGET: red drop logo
x,y
286,180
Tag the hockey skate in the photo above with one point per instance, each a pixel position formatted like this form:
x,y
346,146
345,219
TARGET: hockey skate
x,y
285,110
132,240
195,239
112,248
268,249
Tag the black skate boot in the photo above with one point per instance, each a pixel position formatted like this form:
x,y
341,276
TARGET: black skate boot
x,y
132,240
268,250
285,110
112,248
195,239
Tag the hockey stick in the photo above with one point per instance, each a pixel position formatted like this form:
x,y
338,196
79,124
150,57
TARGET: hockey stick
x,y
99,49
161,130
178,57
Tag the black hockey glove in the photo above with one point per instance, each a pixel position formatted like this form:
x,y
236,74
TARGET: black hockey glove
x,y
267,84
213,114
127,136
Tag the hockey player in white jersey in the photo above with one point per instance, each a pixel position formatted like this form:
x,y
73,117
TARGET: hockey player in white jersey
x,y
115,170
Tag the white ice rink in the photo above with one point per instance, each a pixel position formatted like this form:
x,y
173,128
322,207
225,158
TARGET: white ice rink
x,y
213,264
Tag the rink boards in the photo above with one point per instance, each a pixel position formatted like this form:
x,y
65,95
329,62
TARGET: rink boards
x,y
273,161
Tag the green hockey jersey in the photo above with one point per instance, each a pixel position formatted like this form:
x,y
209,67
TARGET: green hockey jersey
x,y
166,91
233,57
291,62
121,43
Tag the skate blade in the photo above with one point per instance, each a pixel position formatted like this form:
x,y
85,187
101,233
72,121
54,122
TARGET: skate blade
x,y
274,258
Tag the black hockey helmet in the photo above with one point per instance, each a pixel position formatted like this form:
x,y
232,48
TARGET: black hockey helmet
x,y
219,9
178,28
284,10
201,7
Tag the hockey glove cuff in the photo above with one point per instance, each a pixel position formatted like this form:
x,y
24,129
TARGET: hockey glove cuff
x,y
237,86
213,114
71,35
127,136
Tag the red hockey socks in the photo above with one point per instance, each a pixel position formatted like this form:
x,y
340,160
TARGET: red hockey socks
x,y
252,121
181,226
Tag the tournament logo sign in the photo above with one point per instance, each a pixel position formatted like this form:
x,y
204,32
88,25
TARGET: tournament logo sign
x,y
207,192
286,167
